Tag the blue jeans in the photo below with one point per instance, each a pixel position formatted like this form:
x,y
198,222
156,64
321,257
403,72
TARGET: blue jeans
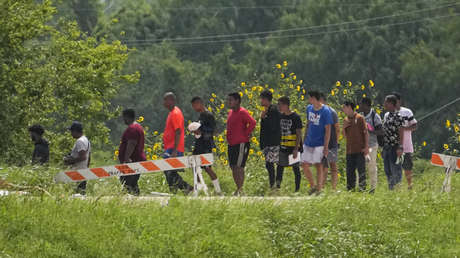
x,y
173,178
392,171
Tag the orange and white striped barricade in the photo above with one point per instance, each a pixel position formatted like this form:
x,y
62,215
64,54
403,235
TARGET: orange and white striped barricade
x,y
450,163
145,167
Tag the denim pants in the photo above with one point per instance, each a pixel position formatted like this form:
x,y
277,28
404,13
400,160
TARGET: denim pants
x,y
392,170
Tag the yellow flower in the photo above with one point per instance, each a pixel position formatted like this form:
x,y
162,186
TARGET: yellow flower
x,y
337,83
357,107
282,75
278,66
304,91
371,83
291,86
225,162
246,91
214,95
301,81
214,149
332,92
254,88
251,113
349,83
250,95
298,88
294,77
117,152
141,118
221,139
155,133
364,95
251,151
241,94
149,150
424,143
291,74
363,87
222,105
261,88
345,92
378,111
457,128
302,97
448,123
259,153
154,157
254,139
446,146
285,63
210,109
272,90
212,100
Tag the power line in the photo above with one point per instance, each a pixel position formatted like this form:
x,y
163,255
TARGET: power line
x,y
304,35
294,29
439,109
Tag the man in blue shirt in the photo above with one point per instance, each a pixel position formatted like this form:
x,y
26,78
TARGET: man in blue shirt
x,y
317,137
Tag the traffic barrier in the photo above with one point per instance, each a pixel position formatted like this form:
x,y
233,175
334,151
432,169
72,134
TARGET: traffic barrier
x,y
145,167
450,163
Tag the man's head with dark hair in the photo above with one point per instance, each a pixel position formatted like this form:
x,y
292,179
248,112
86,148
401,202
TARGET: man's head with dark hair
x,y
365,105
129,115
348,108
266,98
169,100
398,99
234,100
283,104
322,98
36,132
314,98
391,102
197,104
76,129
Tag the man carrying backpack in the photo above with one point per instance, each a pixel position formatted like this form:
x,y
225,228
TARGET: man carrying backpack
x,y
374,126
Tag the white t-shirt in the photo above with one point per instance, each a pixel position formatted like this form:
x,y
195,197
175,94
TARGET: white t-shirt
x,y
82,143
409,120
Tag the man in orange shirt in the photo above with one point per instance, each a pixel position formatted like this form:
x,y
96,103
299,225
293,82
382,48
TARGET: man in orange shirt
x,y
173,142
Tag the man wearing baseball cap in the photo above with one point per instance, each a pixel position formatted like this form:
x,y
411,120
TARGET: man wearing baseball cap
x,y
80,156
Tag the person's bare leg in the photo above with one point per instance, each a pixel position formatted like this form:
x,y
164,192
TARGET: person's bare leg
x,y
211,173
320,176
334,175
308,174
408,174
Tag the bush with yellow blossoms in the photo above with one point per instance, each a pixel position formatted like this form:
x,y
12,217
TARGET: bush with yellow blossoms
x,y
452,147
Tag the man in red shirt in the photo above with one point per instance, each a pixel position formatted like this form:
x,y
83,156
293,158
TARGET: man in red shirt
x,y
173,141
240,125
131,149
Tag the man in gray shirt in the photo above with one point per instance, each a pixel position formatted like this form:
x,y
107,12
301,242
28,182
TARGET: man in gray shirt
x,y
333,155
374,126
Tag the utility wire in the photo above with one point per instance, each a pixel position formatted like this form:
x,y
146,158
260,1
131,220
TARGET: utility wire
x,y
301,35
439,109
295,29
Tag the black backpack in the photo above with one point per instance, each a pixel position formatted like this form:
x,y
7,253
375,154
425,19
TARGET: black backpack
x,y
380,138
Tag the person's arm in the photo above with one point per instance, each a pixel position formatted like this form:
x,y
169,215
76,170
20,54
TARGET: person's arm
x,y
337,132
366,137
327,138
177,135
251,124
130,147
400,150
72,160
298,142
306,132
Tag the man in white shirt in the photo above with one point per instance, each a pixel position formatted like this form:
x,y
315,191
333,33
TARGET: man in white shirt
x,y
409,125
79,157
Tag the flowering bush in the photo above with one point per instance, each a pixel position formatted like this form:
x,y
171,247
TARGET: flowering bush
x,y
452,147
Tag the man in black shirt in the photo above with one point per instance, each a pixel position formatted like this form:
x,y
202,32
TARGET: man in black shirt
x,y
291,140
41,151
204,142
270,134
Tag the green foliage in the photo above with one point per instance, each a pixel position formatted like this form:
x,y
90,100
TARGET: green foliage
x,y
421,222
53,75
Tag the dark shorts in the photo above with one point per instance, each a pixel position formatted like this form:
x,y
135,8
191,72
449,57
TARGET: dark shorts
x,y
238,154
408,164
284,159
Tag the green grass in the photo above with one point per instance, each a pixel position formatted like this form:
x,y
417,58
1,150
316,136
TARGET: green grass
x,y
422,222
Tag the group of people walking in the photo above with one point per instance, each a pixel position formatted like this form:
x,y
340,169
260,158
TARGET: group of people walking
x,y
281,141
